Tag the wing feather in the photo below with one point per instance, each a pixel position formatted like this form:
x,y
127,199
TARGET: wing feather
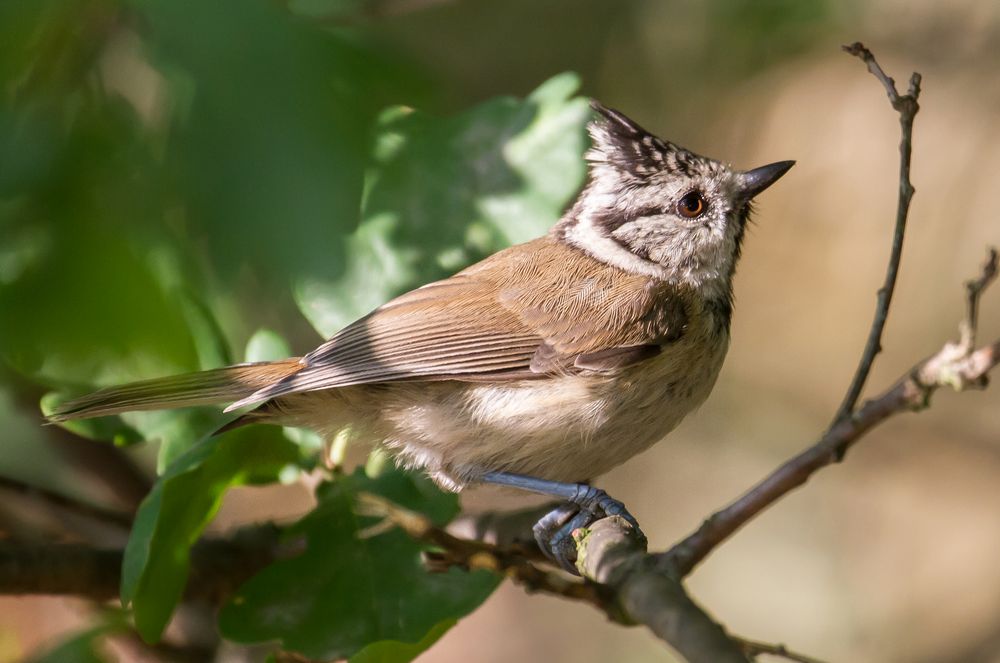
x,y
525,312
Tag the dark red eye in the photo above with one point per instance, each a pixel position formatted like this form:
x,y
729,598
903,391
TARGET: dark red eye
x,y
691,205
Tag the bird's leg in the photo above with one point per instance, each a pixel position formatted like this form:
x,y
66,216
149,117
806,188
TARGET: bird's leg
x,y
585,504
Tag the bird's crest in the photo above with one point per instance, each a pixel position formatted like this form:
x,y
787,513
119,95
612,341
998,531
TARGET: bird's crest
x,y
621,143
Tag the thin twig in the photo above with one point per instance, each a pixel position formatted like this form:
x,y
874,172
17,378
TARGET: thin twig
x,y
503,528
848,423
754,649
51,497
973,289
907,107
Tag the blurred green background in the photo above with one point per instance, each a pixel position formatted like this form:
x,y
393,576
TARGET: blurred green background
x,y
176,176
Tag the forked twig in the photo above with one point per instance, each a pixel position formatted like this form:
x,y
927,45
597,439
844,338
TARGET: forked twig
x,y
907,107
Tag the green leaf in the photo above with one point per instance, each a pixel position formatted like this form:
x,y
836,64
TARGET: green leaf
x,y
176,511
391,651
275,128
112,429
267,345
350,595
81,647
175,430
209,338
26,453
445,192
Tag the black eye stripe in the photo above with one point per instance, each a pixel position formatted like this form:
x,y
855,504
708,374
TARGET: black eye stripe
x,y
613,220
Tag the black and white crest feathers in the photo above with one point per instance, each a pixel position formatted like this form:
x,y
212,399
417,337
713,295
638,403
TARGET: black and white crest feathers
x,y
621,143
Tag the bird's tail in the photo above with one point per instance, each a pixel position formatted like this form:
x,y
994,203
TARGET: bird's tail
x,y
220,385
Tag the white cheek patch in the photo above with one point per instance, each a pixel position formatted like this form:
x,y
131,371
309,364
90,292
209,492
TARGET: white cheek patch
x,y
695,252
664,240
585,235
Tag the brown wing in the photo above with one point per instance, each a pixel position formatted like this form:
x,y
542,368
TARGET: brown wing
x,y
534,309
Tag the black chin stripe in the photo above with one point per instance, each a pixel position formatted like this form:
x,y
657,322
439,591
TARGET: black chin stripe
x,y
722,310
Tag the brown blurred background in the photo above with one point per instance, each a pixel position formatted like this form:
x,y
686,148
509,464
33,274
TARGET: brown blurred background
x,y
891,556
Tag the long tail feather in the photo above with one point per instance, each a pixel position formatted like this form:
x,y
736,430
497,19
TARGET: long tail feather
x,y
220,385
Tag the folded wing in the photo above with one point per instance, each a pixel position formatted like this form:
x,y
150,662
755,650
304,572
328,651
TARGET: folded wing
x,y
521,314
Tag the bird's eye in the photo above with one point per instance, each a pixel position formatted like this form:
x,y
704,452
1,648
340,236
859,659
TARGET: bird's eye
x,y
691,205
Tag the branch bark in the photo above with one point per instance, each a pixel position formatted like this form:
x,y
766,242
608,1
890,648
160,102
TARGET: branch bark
x,y
610,554
218,567
121,519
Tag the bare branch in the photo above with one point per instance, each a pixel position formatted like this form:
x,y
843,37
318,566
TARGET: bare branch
x,y
620,580
956,365
68,569
58,500
973,290
218,567
755,649
907,107
610,553
502,528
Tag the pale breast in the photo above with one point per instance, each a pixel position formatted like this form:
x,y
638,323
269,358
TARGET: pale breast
x,y
561,427
566,428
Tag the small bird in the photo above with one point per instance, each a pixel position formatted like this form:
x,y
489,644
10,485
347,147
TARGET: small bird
x,y
542,366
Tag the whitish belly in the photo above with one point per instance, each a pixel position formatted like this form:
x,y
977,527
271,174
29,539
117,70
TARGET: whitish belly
x,y
568,428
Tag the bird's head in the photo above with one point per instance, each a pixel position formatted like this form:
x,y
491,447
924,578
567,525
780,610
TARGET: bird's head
x,y
656,208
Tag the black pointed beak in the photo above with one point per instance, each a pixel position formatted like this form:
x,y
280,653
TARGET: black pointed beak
x,y
758,179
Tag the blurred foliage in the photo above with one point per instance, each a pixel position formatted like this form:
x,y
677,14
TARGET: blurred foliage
x,y
80,648
183,501
443,193
84,646
376,594
175,175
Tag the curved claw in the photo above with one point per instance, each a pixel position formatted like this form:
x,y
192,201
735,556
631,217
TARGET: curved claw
x,y
554,531
547,530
